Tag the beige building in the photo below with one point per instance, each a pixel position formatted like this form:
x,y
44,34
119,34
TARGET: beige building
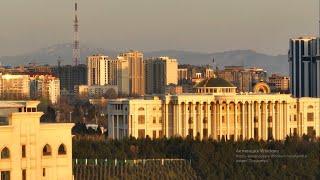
x,y
215,111
14,87
119,74
279,83
160,72
106,91
97,70
45,86
136,71
30,149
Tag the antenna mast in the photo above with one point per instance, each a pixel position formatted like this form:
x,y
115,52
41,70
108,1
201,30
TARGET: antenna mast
x,y
76,44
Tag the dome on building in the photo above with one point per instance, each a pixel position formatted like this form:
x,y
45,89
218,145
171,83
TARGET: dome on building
x,y
214,82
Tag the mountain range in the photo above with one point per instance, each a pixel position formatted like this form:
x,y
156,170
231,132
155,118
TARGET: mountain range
x,y
247,58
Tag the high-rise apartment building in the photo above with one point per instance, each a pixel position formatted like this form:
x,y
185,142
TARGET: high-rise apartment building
x,y
70,76
160,72
14,87
98,70
44,86
136,71
304,62
119,75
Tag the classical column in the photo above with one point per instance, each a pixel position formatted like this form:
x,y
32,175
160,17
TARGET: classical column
x,y
235,121
243,121
227,118
208,115
166,120
186,118
220,120
194,119
281,121
118,127
273,120
178,122
214,120
259,121
200,121
285,119
266,123
249,120
253,114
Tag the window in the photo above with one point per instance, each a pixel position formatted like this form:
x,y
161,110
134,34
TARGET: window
x,y
295,117
154,120
44,172
141,133
311,131
190,132
160,119
141,119
5,153
24,174
154,134
222,119
46,151
160,133
62,150
5,175
23,151
310,116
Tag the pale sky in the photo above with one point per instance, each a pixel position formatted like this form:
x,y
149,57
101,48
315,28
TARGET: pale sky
x,y
149,25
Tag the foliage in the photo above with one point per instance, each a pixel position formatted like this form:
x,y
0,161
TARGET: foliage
x,y
211,159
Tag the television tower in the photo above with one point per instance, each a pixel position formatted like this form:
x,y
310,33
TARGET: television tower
x,y
76,44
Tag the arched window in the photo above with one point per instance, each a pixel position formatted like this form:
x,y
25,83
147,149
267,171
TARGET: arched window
x,y
5,153
62,150
46,151
141,109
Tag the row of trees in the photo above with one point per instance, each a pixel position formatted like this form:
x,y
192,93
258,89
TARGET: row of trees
x,y
212,159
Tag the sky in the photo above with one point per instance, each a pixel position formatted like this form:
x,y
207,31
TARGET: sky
x,y
150,25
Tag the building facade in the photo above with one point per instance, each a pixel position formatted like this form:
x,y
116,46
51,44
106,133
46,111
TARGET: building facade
x,y
70,76
30,149
215,111
304,66
160,72
107,91
98,71
279,83
119,75
136,71
14,87
45,86
182,76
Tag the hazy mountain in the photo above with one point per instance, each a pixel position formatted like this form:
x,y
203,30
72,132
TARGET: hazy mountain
x,y
248,58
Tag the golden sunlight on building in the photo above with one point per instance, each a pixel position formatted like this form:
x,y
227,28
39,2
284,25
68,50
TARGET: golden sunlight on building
x,y
215,111
30,149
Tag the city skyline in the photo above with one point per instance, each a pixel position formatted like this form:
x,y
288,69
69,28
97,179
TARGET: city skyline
x,y
168,26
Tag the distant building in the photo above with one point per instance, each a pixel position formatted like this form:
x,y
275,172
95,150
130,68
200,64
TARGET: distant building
x,y
136,71
242,78
160,72
173,89
44,86
30,149
279,83
304,65
14,87
182,76
119,75
70,76
209,73
98,70
95,91
215,111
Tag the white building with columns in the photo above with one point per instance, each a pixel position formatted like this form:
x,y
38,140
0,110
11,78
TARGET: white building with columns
x,y
215,111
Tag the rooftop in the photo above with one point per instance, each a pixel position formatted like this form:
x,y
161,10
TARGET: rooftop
x,y
214,82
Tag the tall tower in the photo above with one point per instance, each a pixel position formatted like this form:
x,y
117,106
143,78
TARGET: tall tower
x,y
76,45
